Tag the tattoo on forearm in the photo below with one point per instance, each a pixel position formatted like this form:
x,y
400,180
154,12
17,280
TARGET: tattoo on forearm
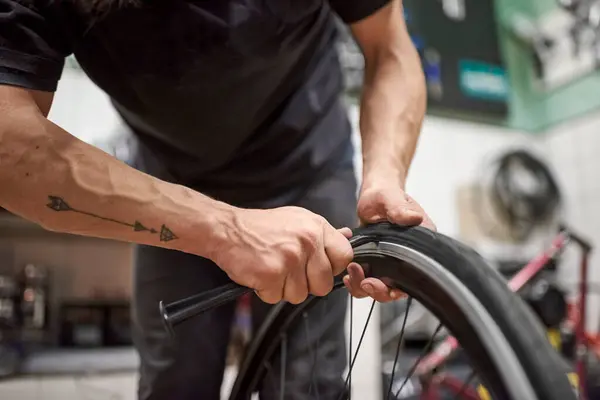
x,y
59,204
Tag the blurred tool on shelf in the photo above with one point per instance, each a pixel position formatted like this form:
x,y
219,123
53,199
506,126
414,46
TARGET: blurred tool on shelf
x,y
34,297
517,196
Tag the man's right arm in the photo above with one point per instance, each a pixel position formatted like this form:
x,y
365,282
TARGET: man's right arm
x,y
56,180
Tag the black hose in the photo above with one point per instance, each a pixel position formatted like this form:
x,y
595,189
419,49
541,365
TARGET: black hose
x,y
524,193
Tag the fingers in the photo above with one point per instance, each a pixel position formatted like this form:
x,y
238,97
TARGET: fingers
x,y
379,291
352,281
316,275
395,210
270,296
371,211
360,287
295,291
403,210
295,287
319,273
393,205
338,249
328,261
403,215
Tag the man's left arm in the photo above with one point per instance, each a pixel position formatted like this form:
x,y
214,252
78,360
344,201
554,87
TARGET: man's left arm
x,y
394,98
392,109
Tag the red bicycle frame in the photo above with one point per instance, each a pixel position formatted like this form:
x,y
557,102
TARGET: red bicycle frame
x,y
445,349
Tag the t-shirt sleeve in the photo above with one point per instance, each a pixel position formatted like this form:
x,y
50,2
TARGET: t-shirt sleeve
x,y
351,11
33,45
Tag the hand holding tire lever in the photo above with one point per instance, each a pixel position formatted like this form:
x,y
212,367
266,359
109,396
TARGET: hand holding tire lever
x,y
179,311
285,253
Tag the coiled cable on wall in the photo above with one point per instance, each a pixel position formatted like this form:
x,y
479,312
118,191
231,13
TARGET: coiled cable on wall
x,y
523,193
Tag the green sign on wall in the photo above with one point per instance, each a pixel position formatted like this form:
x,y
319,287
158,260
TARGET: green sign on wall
x,y
461,57
551,63
525,64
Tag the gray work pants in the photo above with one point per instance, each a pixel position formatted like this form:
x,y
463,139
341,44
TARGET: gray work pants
x,y
191,368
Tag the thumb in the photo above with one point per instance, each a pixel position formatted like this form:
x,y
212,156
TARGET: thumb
x,y
370,212
401,209
402,214
338,249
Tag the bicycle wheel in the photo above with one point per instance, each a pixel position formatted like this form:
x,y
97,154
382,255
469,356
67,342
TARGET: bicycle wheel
x,y
498,333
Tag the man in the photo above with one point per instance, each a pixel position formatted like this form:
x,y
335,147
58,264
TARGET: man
x,y
238,100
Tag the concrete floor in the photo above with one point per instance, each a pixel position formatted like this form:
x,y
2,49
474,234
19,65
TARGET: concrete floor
x,y
115,386
121,386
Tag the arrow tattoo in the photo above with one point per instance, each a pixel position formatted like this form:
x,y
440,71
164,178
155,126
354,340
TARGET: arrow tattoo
x,y
60,205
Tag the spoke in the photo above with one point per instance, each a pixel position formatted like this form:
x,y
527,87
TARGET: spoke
x,y
423,354
283,366
465,385
362,336
408,304
350,349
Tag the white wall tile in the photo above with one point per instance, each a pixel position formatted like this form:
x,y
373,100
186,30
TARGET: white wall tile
x,y
574,148
82,109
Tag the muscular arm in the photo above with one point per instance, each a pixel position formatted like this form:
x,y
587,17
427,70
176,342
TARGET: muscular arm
x,y
50,177
394,100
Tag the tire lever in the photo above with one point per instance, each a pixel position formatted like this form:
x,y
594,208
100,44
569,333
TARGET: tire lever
x,y
181,310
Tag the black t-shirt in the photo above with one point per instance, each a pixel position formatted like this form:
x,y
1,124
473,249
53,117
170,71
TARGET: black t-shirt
x,y
237,98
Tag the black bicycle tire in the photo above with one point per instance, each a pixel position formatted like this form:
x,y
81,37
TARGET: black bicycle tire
x,y
543,367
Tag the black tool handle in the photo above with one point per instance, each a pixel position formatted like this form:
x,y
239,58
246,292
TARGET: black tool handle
x,y
181,310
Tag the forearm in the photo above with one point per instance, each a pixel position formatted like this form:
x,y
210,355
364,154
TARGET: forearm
x,y
50,177
392,108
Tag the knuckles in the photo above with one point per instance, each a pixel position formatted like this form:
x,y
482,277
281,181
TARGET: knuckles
x,y
297,299
270,271
311,236
292,254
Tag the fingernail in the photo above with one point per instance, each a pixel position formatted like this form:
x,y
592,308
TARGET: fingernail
x,y
368,288
394,294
